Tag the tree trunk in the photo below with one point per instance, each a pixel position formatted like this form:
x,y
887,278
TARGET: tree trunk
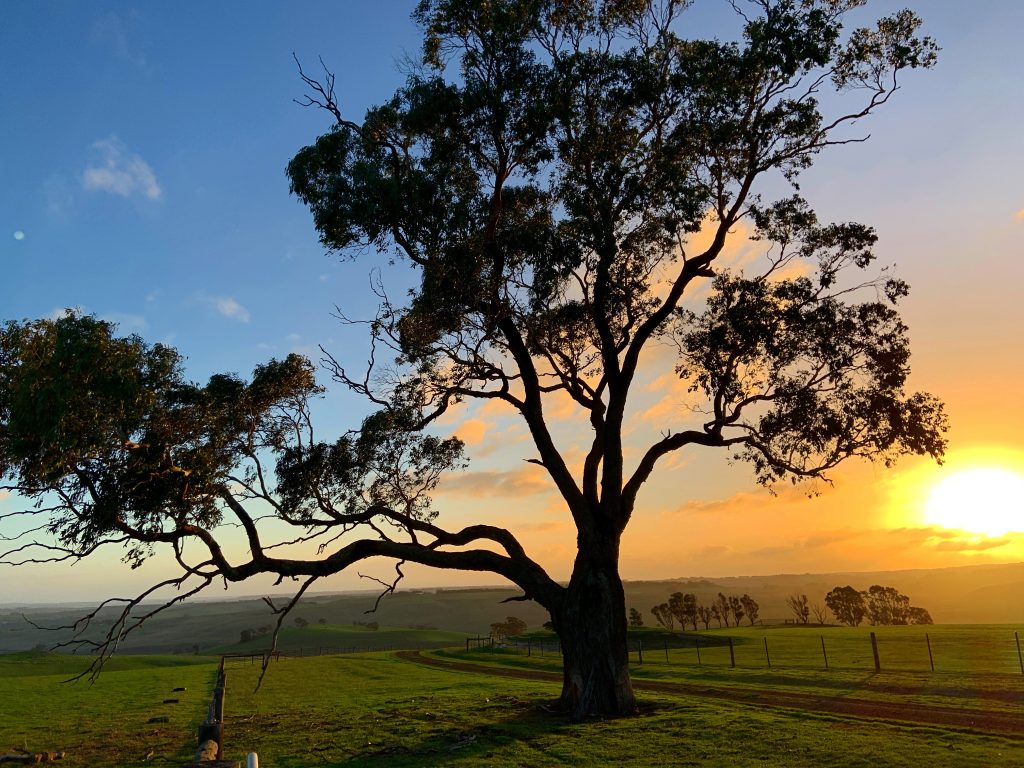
x,y
592,627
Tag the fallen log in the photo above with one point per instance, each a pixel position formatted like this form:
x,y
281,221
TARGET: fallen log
x,y
32,758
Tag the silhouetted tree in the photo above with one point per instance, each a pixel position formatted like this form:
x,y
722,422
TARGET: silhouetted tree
x,y
722,604
683,608
736,609
716,612
664,616
847,605
300,622
819,612
543,175
886,605
750,607
246,636
705,614
800,606
636,619
510,627
918,616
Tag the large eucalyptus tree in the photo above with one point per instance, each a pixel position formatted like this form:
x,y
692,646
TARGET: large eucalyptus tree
x,y
545,172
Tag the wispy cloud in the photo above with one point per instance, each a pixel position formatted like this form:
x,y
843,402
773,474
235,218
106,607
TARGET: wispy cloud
x,y
526,481
126,321
119,171
112,31
228,307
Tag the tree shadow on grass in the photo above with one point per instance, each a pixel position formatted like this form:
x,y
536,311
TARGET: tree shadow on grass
x,y
503,728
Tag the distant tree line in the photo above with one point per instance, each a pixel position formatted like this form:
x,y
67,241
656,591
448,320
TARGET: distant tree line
x,y
686,610
879,605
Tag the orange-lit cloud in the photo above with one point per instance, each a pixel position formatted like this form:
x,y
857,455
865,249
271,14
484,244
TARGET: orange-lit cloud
x,y
528,480
1020,215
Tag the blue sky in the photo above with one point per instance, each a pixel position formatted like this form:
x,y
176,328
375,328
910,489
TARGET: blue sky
x,y
142,156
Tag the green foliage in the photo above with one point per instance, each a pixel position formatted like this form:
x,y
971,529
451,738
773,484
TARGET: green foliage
x,y
847,605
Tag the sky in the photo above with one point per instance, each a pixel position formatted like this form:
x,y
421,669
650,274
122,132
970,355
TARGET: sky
x,y
142,157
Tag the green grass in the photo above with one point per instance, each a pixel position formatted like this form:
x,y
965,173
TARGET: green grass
x,y
310,639
374,709
377,710
103,723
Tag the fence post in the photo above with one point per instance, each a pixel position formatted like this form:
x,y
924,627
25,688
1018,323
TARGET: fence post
x,y
640,651
931,660
698,650
823,651
732,655
667,662
769,658
1019,657
874,652
529,647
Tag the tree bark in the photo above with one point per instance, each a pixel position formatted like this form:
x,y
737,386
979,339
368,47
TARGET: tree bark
x,y
591,624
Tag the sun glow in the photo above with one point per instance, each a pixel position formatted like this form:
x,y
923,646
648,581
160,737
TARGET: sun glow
x,y
987,501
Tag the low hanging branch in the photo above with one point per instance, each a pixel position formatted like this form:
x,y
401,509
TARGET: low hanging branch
x,y
547,203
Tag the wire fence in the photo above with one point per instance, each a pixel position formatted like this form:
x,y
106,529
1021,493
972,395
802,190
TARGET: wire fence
x,y
878,649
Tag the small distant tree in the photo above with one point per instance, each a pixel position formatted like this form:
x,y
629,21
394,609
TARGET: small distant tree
x,y
736,609
751,608
510,627
722,603
886,606
663,615
716,613
919,616
636,619
705,614
800,606
847,605
684,608
300,622
246,636
819,612
321,621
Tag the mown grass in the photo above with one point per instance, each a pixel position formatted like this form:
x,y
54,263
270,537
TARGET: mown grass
x,y
376,709
974,665
312,638
103,723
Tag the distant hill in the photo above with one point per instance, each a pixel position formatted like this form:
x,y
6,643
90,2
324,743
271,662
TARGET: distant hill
x,y
978,594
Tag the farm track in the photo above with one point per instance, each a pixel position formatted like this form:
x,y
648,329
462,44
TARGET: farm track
x,y
987,722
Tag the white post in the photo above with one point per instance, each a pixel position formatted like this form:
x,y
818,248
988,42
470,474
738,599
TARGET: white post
x,y
253,761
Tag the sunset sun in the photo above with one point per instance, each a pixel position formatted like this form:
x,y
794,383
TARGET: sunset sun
x,y
987,501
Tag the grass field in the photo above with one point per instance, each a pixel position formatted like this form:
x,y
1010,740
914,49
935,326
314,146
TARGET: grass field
x,y
347,638
105,723
375,709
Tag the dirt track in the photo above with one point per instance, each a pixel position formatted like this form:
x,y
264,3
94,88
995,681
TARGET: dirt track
x,y
979,721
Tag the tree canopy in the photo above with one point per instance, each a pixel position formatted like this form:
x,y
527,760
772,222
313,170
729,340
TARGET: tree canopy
x,y
545,174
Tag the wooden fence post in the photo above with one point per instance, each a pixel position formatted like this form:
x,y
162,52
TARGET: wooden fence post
x,y
640,651
769,658
1019,657
698,650
732,655
529,647
823,651
874,652
931,659
667,662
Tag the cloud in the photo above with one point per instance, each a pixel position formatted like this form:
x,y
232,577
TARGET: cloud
x,y
1020,215
526,481
971,545
228,307
119,171
111,31
125,321
472,431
